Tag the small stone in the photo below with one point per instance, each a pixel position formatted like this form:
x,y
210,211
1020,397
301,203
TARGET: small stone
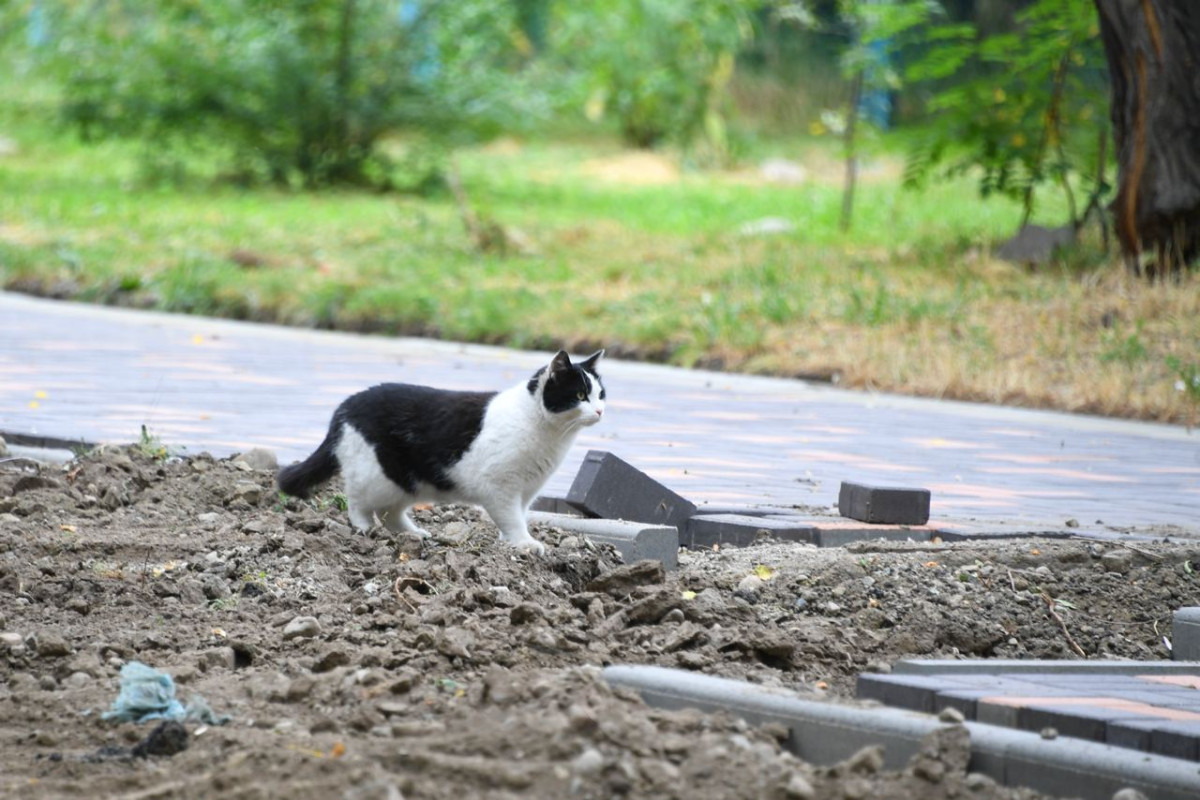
x,y
1072,523
259,458
868,760
47,683
1120,560
673,617
11,639
331,660
51,645
455,642
798,788
215,587
524,613
950,715
77,680
749,587
622,580
1049,733
217,658
208,518
1128,793
247,492
978,782
299,689
302,628
589,762
833,607
45,738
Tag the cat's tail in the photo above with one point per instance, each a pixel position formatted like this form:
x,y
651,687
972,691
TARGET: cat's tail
x,y
299,479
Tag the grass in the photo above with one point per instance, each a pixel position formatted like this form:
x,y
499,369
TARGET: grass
x,y
626,249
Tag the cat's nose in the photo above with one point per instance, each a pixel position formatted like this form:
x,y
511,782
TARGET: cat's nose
x,y
599,413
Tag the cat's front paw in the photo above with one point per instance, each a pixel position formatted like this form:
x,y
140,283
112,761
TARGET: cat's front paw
x,y
531,545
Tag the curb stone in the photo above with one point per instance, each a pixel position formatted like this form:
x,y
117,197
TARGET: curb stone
x,y
1185,634
634,540
825,733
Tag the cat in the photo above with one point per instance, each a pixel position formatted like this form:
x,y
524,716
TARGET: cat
x,y
397,445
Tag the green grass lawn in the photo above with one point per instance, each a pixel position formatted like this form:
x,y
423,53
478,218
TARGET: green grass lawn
x,y
618,248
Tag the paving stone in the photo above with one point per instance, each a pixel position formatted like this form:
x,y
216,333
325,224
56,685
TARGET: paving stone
x,y
914,692
635,541
553,505
1185,634
711,509
610,488
884,505
1020,667
736,530
840,534
1164,737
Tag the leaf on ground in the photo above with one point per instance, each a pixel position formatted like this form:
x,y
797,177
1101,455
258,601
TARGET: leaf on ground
x,y
764,572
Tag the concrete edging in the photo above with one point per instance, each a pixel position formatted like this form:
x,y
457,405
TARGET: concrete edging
x,y
1015,666
825,733
634,540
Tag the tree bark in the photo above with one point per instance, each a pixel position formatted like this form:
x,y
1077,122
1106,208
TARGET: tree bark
x,y
1153,52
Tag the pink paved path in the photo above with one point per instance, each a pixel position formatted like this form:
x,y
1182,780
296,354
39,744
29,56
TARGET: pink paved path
x,y
97,374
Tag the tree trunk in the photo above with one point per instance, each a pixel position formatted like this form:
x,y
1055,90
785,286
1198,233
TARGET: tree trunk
x,y
1153,50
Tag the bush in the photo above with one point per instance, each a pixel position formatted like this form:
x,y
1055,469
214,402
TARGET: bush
x,y
295,93
660,67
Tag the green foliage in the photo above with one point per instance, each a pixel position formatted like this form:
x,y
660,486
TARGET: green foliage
x,y
295,93
660,67
1023,107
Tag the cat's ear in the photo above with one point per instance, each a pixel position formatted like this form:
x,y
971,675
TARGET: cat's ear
x,y
589,363
559,364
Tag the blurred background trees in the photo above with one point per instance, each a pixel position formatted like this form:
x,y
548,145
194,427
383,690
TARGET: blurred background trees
x,y
316,93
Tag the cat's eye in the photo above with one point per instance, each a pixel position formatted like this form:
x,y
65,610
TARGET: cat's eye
x,y
581,395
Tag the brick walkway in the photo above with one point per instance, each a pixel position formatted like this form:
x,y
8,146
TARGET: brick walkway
x,y
80,372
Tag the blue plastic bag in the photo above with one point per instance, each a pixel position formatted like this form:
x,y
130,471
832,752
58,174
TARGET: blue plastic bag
x,y
147,694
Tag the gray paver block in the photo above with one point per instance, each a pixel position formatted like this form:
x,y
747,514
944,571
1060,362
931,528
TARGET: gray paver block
x,y
825,733
706,530
1164,737
1016,667
884,505
1185,634
634,540
841,534
711,509
610,488
553,505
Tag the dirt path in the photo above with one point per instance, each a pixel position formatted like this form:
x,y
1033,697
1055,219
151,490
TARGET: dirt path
x,y
368,667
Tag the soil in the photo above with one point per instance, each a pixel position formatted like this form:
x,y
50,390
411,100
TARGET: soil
x,y
369,666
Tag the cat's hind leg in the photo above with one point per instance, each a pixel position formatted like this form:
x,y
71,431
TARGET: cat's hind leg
x,y
398,520
510,519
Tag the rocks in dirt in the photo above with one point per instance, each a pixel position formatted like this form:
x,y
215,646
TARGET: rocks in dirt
x,y
11,639
797,787
654,607
29,483
525,613
330,660
945,750
950,715
3,447
48,645
589,762
623,580
217,658
866,761
215,587
1119,560
246,492
167,739
302,628
749,588
258,458
455,642
299,688
707,604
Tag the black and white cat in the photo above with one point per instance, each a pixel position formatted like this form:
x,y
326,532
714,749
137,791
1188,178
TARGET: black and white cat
x,y
398,445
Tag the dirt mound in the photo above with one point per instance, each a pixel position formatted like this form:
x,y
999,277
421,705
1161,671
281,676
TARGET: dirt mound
x,y
372,666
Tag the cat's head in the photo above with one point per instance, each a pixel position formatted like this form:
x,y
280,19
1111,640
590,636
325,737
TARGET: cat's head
x,y
570,392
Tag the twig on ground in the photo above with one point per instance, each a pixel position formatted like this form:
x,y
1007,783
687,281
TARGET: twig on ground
x,y
1070,640
408,581
1011,582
